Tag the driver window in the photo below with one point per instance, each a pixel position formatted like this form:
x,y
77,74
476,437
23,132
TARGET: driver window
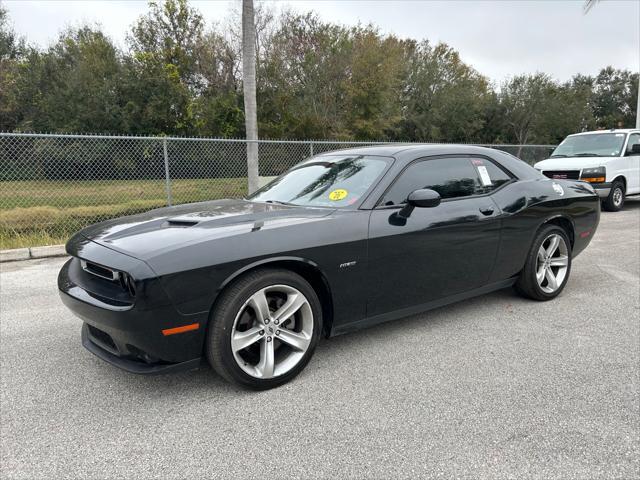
x,y
634,138
450,177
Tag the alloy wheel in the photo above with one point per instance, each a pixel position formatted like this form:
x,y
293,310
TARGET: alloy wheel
x,y
272,331
553,263
617,196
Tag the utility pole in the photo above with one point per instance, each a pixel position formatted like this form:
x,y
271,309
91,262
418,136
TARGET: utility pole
x,y
249,88
638,106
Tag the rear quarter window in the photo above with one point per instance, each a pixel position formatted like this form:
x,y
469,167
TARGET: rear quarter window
x,y
491,176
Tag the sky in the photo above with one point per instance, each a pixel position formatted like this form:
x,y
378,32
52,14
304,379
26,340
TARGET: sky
x,y
500,39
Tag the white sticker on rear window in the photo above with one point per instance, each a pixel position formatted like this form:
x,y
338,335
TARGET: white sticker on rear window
x,y
484,176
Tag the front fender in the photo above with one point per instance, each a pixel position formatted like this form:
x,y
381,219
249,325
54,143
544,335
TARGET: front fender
x,y
266,262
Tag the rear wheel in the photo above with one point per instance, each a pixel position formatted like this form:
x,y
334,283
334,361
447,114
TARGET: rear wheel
x,y
264,329
615,201
548,265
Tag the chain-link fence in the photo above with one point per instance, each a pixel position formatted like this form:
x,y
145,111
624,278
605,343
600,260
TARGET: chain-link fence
x,y
53,185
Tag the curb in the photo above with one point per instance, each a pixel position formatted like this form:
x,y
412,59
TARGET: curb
x,y
20,254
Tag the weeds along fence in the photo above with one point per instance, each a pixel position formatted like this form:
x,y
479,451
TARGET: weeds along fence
x,y
53,185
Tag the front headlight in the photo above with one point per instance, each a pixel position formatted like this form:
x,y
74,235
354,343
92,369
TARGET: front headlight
x,y
594,175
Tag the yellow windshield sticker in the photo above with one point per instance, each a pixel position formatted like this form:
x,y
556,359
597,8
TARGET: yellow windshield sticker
x,y
339,194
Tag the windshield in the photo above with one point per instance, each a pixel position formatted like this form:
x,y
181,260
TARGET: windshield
x,y
594,145
329,181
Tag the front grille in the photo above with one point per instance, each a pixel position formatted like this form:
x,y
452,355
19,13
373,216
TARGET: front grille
x,y
562,174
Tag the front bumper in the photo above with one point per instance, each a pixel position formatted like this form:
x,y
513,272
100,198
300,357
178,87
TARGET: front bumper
x,y
602,189
95,346
131,336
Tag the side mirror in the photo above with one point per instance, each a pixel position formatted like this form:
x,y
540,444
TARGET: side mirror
x,y
423,198
635,149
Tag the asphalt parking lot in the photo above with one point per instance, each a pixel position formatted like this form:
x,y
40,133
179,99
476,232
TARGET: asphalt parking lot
x,y
496,387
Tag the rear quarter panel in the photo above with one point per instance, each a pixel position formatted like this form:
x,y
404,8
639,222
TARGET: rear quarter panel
x,y
527,205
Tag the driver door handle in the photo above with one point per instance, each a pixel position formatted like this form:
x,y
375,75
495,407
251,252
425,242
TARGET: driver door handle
x,y
486,211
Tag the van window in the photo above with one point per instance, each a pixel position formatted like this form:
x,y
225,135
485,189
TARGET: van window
x,y
591,145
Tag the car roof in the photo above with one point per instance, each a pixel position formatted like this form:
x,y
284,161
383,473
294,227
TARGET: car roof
x,y
613,130
412,150
406,153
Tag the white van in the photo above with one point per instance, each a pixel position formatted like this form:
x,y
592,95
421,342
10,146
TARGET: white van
x,y
608,159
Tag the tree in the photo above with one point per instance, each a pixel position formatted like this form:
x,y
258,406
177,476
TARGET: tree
x,y
249,88
566,111
305,65
12,51
156,101
446,100
162,77
373,86
71,87
524,99
170,33
217,110
313,79
11,46
615,94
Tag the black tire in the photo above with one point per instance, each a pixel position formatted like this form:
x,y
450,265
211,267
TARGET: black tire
x,y
527,284
218,342
615,200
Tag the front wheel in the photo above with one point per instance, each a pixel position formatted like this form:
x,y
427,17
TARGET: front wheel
x,y
548,265
615,201
264,329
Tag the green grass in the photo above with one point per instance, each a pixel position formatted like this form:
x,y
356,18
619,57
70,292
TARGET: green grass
x,y
10,240
48,212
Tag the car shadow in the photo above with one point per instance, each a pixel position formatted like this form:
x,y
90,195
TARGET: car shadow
x,y
631,203
204,380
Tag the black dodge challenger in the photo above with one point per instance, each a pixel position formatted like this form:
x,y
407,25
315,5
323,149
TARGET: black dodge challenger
x,y
342,241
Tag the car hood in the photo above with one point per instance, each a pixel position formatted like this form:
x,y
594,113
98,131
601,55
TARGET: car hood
x,y
574,163
149,234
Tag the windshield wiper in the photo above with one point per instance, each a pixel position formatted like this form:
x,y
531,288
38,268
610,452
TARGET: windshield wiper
x,y
586,155
280,202
557,156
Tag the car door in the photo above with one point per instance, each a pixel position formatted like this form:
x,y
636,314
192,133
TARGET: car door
x,y
440,251
632,165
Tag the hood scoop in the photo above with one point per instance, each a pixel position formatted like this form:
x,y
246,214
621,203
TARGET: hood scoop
x,y
182,222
